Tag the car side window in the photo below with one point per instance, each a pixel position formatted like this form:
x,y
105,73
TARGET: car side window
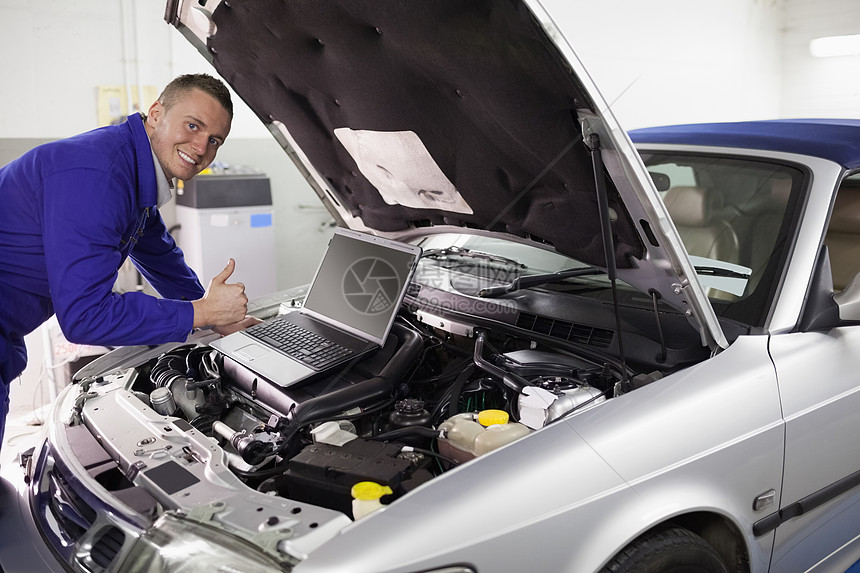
x,y
843,233
731,215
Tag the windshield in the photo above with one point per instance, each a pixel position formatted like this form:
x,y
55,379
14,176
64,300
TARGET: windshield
x,y
474,265
733,217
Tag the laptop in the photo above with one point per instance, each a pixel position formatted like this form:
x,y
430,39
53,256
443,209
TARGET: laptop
x,y
347,312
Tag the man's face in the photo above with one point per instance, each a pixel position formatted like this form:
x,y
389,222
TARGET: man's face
x,y
186,137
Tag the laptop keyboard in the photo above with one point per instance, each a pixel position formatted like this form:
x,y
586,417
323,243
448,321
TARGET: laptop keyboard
x,y
299,343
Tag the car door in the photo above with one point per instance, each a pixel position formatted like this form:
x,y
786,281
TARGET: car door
x,y
819,384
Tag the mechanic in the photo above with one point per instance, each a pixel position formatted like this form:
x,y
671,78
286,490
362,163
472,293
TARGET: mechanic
x,y
74,209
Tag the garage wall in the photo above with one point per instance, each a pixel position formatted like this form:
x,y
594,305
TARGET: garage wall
x,y
56,53
819,87
678,61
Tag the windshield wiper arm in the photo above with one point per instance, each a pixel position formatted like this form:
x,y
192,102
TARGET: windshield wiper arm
x,y
468,253
536,280
721,272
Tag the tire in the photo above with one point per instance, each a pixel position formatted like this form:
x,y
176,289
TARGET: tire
x,y
673,550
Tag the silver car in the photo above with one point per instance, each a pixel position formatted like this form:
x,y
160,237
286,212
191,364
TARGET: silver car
x,y
617,353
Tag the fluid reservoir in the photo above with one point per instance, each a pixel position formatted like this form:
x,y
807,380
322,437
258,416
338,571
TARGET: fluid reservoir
x,y
366,497
409,412
469,435
162,401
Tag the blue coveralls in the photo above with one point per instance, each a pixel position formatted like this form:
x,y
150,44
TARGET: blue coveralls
x,y
71,211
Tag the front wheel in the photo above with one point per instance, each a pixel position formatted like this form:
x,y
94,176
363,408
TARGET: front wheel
x,y
673,550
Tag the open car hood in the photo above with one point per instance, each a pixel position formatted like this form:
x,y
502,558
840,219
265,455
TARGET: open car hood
x,y
452,113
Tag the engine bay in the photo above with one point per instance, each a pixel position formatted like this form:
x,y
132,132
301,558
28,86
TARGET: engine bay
x,y
428,400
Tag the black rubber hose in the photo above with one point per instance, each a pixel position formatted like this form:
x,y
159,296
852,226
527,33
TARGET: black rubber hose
x,y
511,380
169,366
269,394
369,391
407,431
457,389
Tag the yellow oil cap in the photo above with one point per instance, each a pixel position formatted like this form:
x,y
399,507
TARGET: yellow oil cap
x,y
369,490
492,417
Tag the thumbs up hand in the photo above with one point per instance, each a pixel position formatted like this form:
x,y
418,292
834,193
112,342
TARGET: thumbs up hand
x,y
224,303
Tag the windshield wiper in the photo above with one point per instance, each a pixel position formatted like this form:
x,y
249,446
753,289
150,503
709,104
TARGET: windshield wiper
x,y
536,280
470,254
721,272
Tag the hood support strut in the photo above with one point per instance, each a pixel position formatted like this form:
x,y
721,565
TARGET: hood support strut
x,y
608,245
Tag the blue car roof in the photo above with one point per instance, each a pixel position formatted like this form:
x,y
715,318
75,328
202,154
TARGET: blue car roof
x,y
835,139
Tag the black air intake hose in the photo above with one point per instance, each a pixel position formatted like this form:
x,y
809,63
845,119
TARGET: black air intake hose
x,y
370,391
510,379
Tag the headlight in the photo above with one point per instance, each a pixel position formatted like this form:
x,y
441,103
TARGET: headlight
x,y
176,544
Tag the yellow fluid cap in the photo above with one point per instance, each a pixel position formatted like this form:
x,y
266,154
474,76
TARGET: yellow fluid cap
x,y
491,417
369,490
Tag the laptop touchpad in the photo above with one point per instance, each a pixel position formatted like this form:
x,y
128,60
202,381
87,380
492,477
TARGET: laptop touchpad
x,y
252,351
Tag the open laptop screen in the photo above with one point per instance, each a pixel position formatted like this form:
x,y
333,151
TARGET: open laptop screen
x,y
360,282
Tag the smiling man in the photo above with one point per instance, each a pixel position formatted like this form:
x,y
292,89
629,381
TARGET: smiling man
x,y
187,124
73,210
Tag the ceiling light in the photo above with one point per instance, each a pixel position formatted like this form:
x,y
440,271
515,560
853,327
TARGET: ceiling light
x,y
831,46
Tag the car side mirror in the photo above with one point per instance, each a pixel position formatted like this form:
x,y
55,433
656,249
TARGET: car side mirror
x,y
848,301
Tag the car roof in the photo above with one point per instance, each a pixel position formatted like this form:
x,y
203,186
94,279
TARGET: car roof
x,y
835,139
